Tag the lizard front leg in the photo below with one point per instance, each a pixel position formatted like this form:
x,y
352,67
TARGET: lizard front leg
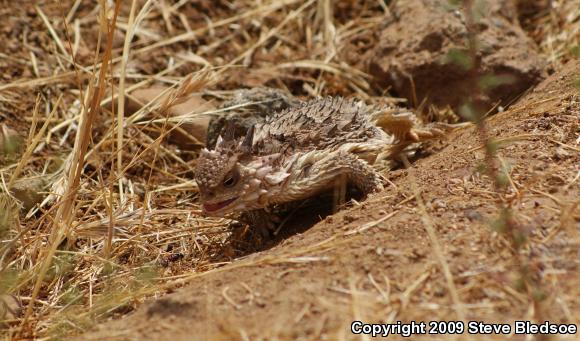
x,y
262,221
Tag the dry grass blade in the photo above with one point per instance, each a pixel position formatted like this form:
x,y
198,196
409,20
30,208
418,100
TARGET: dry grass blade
x,y
190,84
132,25
357,77
37,81
325,17
121,105
64,213
52,32
372,223
31,145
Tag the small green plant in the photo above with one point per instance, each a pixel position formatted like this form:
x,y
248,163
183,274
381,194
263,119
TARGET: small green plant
x,y
11,145
575,51
490,81
8,215
8,279
577,83
460,58
506,222
71,296
468,113
62,265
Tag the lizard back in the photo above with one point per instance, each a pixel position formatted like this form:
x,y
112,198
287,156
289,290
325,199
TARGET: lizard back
x,y
320,124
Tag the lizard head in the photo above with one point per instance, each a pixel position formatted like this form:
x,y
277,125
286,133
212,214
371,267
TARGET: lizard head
x,y
230,178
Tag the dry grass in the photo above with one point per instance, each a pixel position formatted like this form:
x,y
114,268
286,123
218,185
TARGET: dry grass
x,y
557,31
117,201
117,219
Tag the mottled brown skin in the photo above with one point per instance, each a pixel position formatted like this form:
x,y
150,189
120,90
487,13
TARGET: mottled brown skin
x,y
300,152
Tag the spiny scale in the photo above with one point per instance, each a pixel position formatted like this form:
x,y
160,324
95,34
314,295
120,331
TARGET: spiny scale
x,y
317,125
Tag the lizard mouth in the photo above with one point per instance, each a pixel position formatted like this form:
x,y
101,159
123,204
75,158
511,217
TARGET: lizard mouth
x,y
217,206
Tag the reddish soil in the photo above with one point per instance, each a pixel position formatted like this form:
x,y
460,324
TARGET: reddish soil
x,y
312,285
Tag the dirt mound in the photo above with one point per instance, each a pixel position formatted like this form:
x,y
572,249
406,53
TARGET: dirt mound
x,y
376,262
425,53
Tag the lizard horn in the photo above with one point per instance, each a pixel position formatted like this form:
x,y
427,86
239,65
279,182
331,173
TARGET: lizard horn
x,y
219,142
229,131
248,140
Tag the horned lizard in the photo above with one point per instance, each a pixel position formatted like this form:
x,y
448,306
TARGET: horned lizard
x,y
300,152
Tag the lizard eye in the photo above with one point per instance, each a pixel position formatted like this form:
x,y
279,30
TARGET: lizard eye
x,y
230,180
